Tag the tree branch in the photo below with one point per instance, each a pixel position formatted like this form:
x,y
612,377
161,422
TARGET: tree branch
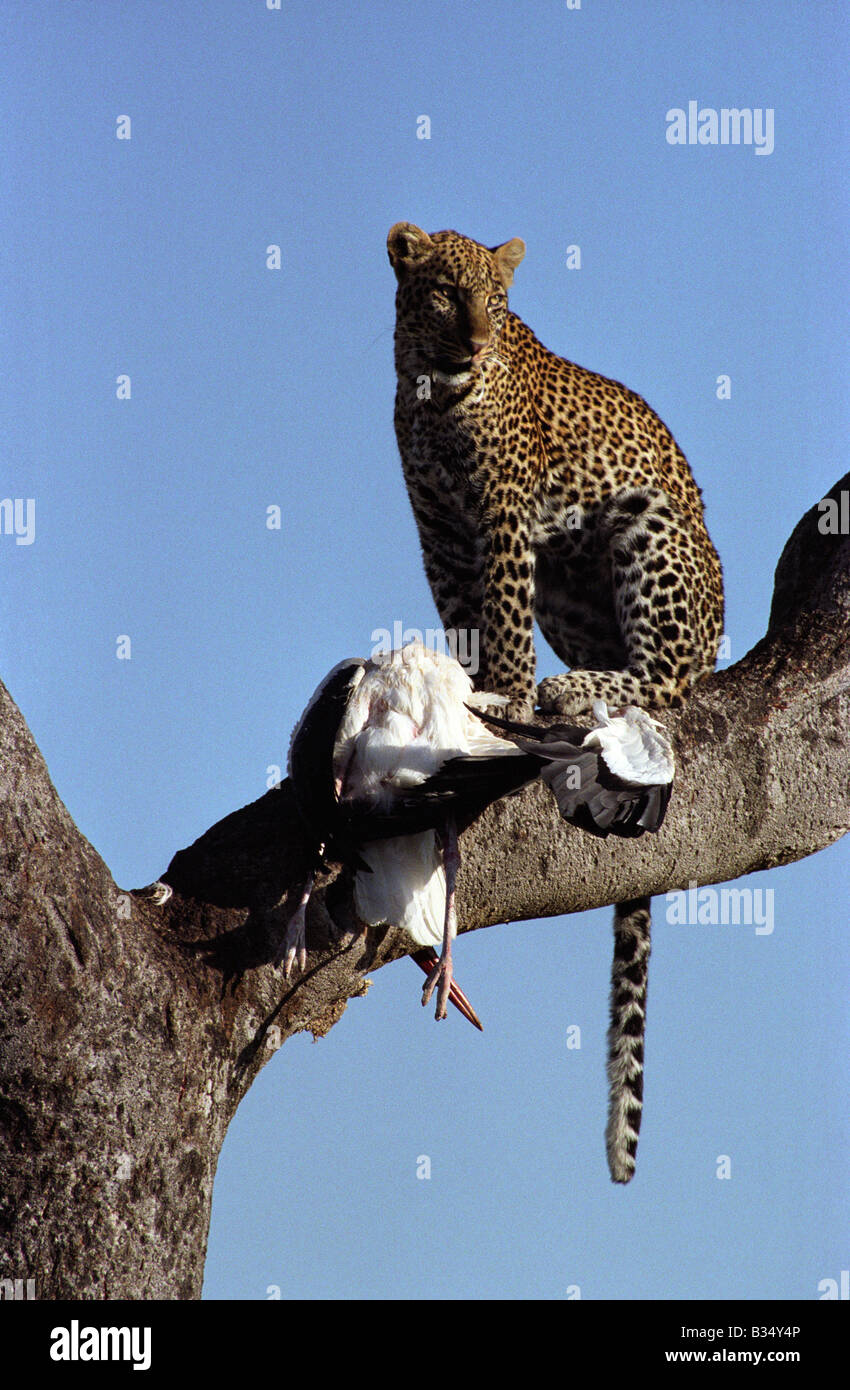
x,y
131,1030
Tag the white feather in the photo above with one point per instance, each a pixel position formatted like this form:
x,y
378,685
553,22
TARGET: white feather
x,y
407,886
406,717
634,745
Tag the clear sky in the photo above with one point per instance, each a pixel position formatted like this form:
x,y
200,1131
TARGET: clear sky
x,y
254,387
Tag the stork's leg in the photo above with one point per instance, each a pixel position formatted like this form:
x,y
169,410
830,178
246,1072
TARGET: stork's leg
x,y
294,944
443,971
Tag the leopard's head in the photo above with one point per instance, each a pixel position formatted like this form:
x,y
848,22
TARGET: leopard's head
x,y
452,298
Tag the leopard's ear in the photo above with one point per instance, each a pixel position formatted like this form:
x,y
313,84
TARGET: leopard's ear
x,y
405,244
507,258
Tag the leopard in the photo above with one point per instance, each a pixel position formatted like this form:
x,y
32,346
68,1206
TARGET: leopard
x,y
544,491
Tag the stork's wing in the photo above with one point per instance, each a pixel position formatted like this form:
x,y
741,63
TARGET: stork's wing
x,y
536,733
633,744
462,788
612,780
310,762
591,796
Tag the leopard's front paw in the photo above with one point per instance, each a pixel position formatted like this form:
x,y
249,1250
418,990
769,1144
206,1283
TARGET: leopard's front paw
x,y
560,695
518,708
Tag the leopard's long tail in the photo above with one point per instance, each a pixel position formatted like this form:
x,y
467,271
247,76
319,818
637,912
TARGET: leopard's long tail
x,y
629,972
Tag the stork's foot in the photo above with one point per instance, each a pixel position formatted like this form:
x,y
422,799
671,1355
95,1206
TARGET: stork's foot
x,y
441,975
294,945
426,959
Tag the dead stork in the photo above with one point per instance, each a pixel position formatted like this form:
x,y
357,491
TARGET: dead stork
x,y
392,754
373,733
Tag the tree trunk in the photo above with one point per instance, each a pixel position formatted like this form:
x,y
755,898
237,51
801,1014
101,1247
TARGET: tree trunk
x,y
131,1028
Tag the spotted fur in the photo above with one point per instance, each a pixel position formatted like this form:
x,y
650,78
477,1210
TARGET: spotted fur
x,y
541,489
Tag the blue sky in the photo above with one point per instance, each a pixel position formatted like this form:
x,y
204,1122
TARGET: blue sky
x,y
253,387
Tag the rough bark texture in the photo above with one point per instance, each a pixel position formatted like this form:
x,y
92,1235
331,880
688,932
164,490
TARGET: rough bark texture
x,y
129,1031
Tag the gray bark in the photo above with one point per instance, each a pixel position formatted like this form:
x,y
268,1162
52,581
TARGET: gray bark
x,y
130,1030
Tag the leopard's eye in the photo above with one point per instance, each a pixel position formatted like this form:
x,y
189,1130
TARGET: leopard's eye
x,y
495,301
